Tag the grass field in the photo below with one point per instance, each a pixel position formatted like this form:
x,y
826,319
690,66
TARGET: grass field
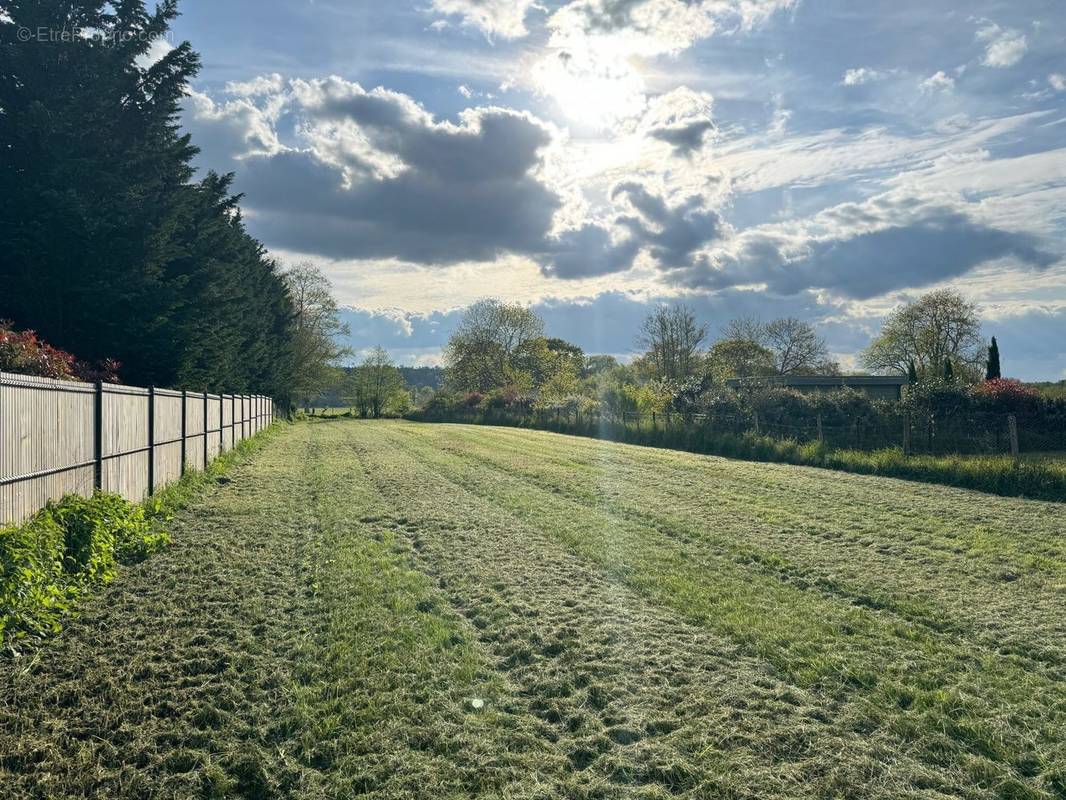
x,y
396,610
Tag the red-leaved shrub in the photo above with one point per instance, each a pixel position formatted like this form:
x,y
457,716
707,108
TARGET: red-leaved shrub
x,y
1006,394
24,353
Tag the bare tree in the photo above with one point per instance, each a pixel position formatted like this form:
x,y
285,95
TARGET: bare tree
x,y
797,347
938,327
672,338
794,346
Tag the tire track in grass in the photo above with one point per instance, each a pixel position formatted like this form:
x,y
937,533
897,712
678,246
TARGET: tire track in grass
x,y
392,700
957,697
981,612
646,703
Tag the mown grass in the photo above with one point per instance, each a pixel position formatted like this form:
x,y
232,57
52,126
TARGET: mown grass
x,y
1033,477
394,610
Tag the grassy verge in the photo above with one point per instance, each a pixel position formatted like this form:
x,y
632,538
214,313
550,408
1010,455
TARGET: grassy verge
x,y
76,544
1035,478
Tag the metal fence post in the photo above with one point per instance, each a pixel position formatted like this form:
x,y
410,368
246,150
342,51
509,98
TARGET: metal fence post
x,y
821,435
206,458
221,431
906,434
98,437
151,440
184,395
1012,428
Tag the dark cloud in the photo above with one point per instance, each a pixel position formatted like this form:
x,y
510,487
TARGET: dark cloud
x,y
461,192
941,244
685,139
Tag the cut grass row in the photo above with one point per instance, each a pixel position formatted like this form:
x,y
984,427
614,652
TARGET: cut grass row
x,y
394,610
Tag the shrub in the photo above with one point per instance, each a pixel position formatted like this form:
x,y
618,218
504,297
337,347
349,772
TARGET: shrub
x,y
1006,395
24,353
64,548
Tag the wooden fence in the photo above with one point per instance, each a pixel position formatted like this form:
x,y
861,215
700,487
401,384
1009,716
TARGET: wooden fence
x,y
59,438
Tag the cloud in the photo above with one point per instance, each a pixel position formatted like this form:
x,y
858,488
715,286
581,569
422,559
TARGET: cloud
x,y
861,75
1003,47
937,82
504,18
1057,81
682,118
866,249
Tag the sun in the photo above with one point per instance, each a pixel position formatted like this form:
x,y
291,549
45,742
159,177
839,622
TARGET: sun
x,y
592,88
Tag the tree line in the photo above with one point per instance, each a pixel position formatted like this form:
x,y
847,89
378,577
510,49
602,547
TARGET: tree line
x,y
110,246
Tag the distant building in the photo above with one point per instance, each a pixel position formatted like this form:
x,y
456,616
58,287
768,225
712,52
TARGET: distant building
x,y
878,387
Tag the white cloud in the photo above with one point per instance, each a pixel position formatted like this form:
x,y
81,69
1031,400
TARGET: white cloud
x,y
1057,81
504,18
861,75
465,91
1004,46
937,82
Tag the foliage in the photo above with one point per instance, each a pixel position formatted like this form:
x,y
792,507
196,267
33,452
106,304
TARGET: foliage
x,y
739,358
939,327
1006,394
64,549
486,350
25,354
376,387
142,264
992,370
672,340
317,329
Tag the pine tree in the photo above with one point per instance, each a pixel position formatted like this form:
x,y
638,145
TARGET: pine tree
x,y
992,372
949,371
912,372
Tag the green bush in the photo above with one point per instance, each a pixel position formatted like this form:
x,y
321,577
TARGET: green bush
x,y
65,548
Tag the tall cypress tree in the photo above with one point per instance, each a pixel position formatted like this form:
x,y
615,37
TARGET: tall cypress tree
x,y
912,372
949,370
107,246
992,372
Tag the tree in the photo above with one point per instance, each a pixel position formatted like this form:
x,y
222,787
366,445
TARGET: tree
x,y
672,338
316,329
738,358
376,383
912,372
992,371
797,348
938,326
482,353
949,371
794,345
107,245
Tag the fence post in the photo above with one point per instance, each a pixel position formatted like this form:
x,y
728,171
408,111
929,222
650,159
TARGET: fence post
x,y
151,440
184,395
755,414
206,459
821,435
221,427
98,437
1012,427
907,434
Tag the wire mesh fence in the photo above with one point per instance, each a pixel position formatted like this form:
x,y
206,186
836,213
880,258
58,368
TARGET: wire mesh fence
x,y
964,433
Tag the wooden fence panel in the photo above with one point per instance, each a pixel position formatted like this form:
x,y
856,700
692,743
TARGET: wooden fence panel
x,y
194,431
214,426
227,422
124,449
46,443
167,437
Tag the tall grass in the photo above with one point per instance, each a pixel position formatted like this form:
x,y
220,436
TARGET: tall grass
x,y
996,474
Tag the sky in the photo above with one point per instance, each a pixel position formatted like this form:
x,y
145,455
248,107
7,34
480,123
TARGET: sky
x,y
823,159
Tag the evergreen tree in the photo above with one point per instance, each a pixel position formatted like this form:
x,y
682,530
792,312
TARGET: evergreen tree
x,y
912,372
949,371
992,371
107,245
